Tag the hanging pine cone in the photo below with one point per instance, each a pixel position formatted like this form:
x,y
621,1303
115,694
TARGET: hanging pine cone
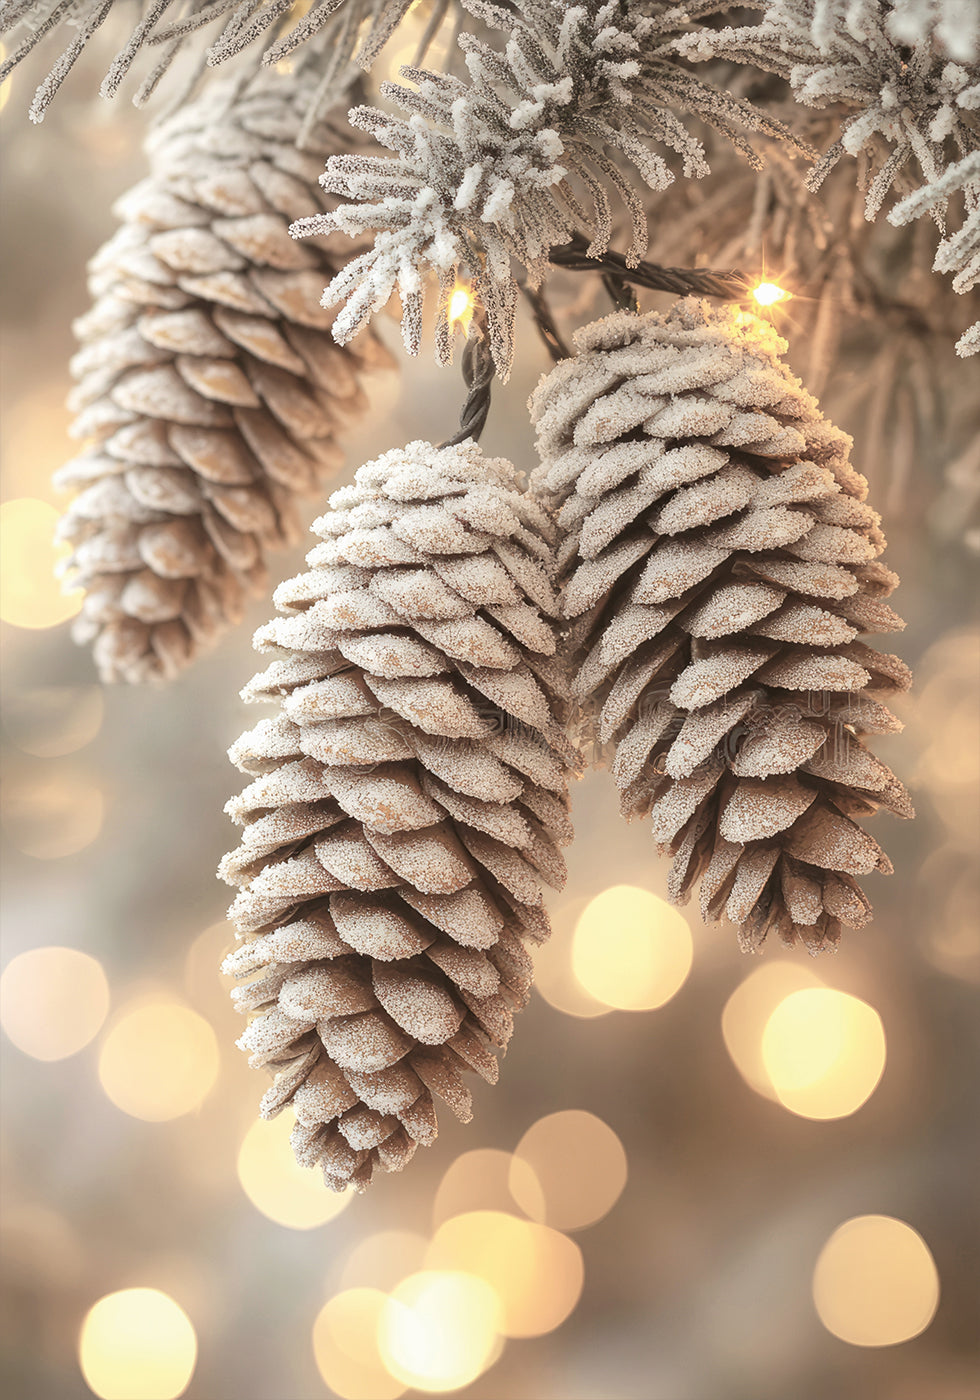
x,y
409,798
210,390
718,567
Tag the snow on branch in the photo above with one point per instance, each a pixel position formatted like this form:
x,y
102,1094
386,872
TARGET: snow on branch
x,y
914,113
347,29
581,102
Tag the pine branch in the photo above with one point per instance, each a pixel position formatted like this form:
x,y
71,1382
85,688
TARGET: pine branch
x,y
912,113
580,100
336,25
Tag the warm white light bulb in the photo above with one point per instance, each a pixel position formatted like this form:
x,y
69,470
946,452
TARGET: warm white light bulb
x,y
769,293
461,304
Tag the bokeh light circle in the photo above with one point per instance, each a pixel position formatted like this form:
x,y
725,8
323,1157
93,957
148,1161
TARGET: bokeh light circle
x,y
554,975
579,1166
137,1344
824,1052
536,1272
384,1259
875,1282
277,1185
345,1345
439,1330
488,1179
631,949
30,595
748,1009
158,1061
53,1001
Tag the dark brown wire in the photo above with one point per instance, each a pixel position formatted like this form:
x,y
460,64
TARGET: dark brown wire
x,y
682,281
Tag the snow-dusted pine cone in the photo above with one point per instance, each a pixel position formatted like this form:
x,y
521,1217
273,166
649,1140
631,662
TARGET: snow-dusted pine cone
x,y
409,798
719,565
210,389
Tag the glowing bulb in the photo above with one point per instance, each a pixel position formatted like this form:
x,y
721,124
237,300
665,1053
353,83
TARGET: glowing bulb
x,y
137,1344
461,304
875,1282
769,293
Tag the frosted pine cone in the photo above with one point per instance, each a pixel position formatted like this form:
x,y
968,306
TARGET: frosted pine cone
x,y
409,799
719,566
210,390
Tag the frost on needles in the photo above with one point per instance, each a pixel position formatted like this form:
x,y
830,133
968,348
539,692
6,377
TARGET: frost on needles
x,y
909,111
580,103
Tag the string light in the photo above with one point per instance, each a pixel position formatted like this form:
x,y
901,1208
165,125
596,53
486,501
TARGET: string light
x,y
747,1013
770,293
488,1179
461,306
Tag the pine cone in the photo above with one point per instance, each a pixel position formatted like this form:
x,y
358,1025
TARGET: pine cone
x,y
409,799
210,389
718,567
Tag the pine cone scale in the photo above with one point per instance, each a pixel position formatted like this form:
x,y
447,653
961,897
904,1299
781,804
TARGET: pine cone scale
x,y
718,568
415,828
206,381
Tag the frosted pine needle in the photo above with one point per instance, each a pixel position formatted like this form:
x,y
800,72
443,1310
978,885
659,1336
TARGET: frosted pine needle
x,y
582,102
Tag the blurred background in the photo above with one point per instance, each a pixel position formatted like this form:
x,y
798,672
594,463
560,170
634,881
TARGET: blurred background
x,y
701,1177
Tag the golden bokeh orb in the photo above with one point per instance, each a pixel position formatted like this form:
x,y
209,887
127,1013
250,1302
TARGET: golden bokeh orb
x,y
631,950
345,1345
384,1259
824,1052
439,1330
485,1179
579,1165
277,1185
749,1008
875,1282
51,811
554,974
53,1001
159,1060
30,595
137,1344
536,1272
